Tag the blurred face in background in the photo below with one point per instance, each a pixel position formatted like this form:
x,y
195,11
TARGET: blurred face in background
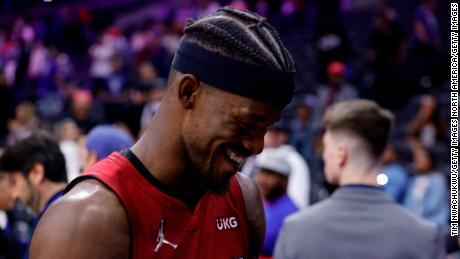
x,y
422,161
24,190
275,138
271,184
303,113
81,103
8,194
25,112
70,131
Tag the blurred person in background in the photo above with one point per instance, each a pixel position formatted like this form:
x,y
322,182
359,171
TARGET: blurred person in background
x,y
272,180
299,177
337,89
359,219
427,39
398,177
69,134
24,123
9,245
37,170
102,141
427,129
101,53
427,195
387,59
84,111
129,116
301,128
331,40
7,108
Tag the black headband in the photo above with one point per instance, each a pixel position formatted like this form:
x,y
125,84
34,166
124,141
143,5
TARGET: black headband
x,y
234,76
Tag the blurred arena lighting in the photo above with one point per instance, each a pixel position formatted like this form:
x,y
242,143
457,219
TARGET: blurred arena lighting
x,y
382,179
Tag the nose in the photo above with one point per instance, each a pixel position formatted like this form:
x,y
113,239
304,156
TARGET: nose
x,y
255,144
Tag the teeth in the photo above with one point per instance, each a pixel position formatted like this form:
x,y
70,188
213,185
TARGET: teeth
x,y
234,157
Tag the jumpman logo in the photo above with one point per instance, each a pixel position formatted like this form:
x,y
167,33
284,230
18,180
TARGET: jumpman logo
x,y
161,240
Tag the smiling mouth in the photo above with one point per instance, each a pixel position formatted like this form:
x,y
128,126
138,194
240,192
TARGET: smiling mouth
x,y
234,157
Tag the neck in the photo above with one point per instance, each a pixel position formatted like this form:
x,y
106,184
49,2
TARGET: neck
x,y
162,153
47,191
360,175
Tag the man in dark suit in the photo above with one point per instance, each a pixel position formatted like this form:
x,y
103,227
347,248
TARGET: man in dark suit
x,y
359,221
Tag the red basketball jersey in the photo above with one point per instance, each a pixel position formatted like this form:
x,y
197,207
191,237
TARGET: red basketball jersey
x,y
162,226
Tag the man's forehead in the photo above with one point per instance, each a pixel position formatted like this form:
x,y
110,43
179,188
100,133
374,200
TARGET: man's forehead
x,y
259,114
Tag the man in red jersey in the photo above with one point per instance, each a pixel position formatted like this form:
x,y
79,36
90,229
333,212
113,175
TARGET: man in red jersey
x,y
176,193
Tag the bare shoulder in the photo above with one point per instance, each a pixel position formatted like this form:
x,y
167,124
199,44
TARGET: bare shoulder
x,y
254,212
88,222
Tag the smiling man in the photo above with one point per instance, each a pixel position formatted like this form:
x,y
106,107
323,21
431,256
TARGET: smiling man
x,y
176,193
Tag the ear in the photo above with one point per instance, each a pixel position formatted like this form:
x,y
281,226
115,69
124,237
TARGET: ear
x,y
37,174
188,90
342,155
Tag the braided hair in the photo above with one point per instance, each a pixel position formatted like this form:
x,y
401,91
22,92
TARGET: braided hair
x,y
240,35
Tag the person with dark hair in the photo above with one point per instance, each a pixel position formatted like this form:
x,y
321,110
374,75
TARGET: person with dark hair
x,y
272,179
9,245
37,168
177,193
360,219
427,195
397,175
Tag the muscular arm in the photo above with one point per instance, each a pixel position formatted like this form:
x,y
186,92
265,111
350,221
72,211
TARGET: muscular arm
x,y
88,222
255,214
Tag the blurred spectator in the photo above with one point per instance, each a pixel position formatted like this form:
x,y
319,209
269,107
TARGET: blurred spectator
x,y
6,101
68,135
387,40
427,194
427,38
83,111
336,90
24,124
102,141
398,177
9,245
130,114
37,168
427,128
387,59
331,40
272,180
299,177
301,128
146,73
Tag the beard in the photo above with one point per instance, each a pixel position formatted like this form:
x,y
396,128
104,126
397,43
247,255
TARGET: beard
x,y
202,175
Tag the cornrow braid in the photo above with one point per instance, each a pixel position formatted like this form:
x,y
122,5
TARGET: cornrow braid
x,y
240,35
